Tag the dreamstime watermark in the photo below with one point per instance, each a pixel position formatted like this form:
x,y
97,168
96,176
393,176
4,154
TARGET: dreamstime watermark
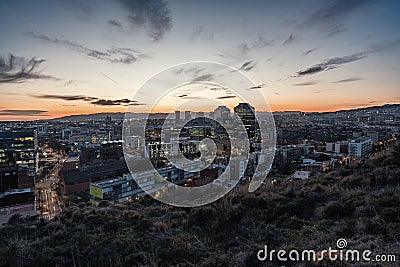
x,y
339,254
196,89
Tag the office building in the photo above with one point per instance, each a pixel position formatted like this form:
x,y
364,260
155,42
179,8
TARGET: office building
x,y
18,165
359,147
247,114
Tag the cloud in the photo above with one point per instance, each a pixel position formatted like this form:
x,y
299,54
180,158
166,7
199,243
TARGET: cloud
x,y
248,65
328,19
194,71
306,53
114,23
244,48
325,90
17,69
66,97
330,64
258,43
106,102
136,104
205,77
113,54
289,40
352,79
217,89
153,15
93,100
334,30
196,32
226,97
306,83
23,112
388,45
261,42
257,87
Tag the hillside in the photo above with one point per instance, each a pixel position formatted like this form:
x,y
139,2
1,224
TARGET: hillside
x,y
94,116
359,203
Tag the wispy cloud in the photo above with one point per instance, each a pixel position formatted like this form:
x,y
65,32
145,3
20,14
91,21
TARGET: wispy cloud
x,y
324,90
113,54
205,77
330,64
114,23
17,69
289,40
226,97
93,100
107,102
66,97
194,71
306,83
182,96
248,65
307,52
352,79
136,104
259,42
329,18
197,31
257,87
384,46
152,15
23,112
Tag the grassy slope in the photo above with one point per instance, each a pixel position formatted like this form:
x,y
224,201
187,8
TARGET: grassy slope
x,y
359,203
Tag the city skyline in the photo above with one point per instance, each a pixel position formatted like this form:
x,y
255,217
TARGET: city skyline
x,y
311,56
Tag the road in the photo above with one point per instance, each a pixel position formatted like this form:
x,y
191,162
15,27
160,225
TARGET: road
x,y
48,201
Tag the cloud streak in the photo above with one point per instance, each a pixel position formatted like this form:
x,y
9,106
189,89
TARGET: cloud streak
x,y
152,15
114,23
330,64
306,53
257,87
258,43
93,100
113,54
248,65
17,69
205,77
352,79
289,40
107,102
23,112
306,83
226,97
328,19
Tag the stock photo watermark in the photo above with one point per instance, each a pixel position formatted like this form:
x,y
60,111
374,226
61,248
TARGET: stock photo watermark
x,y
340,253
228,142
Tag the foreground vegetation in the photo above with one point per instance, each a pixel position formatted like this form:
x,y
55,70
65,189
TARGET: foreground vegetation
x,y
360,203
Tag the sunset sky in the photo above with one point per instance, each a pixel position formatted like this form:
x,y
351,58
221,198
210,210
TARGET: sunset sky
x,y
62,57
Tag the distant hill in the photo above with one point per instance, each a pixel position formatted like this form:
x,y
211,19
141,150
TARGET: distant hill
x,y
94,116
120,115
373,108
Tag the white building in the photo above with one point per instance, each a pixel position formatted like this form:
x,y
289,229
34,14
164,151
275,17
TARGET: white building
x,y
359,147
302,174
